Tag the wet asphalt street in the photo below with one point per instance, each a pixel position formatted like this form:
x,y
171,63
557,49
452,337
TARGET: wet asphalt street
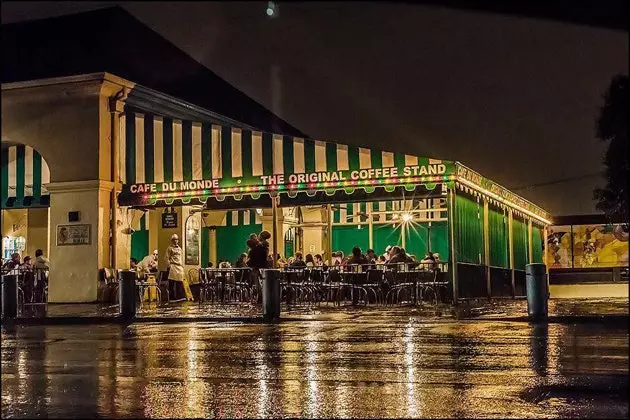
x,y
350,366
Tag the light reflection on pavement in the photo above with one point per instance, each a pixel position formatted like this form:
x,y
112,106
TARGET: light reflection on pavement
x,y
402,366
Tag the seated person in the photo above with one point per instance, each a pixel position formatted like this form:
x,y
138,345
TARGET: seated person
x,y
298,262
149,264
428,262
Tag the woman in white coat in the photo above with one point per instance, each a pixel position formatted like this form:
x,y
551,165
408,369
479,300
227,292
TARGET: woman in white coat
x,y
175,264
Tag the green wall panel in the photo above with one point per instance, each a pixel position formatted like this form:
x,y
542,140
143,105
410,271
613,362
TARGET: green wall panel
x,y
519,228
232,240
439,239
205,246
344,238
498,238
140,244
416,239
469,229
384,235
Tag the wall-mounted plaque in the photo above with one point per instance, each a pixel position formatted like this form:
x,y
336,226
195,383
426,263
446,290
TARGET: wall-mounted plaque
x,y
73,235
169,220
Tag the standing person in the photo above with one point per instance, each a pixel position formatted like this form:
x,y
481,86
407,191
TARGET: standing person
x,y
175,264
40,268
41,262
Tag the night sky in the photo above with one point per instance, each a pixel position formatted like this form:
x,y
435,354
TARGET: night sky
x,y
514,98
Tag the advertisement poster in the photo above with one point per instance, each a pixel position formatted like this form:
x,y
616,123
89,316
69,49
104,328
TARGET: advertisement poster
x,y
73,235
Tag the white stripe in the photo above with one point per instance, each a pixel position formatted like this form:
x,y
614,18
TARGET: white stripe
x,y
28,171
257,154
139,121
12,171
234,217
382,206
45,176
217,171
355,212
122,150
342,158
299,167
411,160
258,221
178,159
320,156
388,159
247,214
343,214
197,172
237,154
365,158
158,149
226,214
278,167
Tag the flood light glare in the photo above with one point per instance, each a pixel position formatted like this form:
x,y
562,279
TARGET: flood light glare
x,y
407,217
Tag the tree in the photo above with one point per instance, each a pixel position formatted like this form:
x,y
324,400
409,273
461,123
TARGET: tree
x,y
612,127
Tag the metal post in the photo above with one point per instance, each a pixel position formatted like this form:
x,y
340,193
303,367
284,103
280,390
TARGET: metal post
x,y
537,292
530,246
545,233
511,250
271,294
329,227
127,294
486,244
274,229
453,246
9,296
370,226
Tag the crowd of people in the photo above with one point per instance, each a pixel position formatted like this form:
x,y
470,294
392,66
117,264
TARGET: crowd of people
x,y
26,264
258,257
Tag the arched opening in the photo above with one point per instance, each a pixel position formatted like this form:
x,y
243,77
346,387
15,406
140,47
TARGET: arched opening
x,y
24,200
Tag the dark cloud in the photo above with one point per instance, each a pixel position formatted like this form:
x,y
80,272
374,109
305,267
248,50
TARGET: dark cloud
x,y
514,98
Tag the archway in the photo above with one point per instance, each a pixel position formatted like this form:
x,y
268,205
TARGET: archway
x,y
24,200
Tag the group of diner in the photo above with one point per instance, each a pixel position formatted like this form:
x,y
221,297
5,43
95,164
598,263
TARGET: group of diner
x,y
259,258
17,264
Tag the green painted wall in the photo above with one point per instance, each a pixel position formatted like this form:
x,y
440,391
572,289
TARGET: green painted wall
x,y
519,228
385,235
498,238
537,252
231,240
468,229
344,238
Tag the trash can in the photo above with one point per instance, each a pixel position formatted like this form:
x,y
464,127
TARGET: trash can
x,y
271,294
127,294
537,292
9,296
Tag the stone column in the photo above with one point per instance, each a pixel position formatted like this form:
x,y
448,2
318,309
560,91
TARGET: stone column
x,y
74,268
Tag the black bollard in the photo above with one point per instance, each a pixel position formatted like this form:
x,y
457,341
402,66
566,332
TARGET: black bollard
x,y
127,294
537,293
271,294
9,296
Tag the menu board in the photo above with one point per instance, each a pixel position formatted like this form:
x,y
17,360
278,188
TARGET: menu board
x,y
169,220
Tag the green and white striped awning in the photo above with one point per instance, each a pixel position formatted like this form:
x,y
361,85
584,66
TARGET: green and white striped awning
x,y
24,174
165,159
241,218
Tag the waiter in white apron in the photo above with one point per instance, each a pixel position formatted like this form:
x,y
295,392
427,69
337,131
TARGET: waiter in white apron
x,y
175,263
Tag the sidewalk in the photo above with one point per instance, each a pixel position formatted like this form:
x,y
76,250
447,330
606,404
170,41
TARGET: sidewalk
x,y
560,310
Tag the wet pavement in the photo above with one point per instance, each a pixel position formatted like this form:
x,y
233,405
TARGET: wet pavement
x,y
340,364
481,309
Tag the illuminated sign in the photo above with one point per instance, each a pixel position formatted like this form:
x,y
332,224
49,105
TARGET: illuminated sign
x,y
472,177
